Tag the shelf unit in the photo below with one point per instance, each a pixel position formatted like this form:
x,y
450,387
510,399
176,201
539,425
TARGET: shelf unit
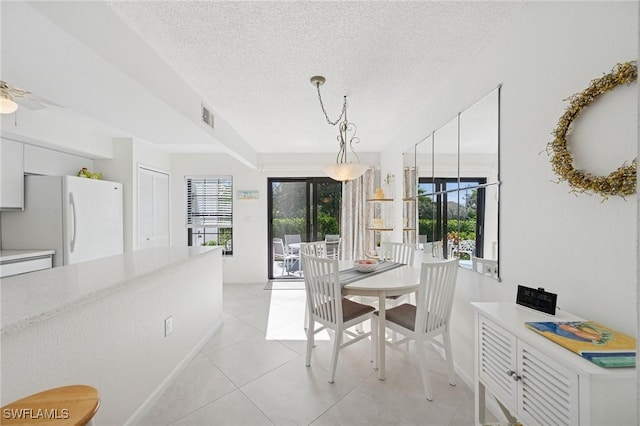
x,y
409,225
380,214
537,381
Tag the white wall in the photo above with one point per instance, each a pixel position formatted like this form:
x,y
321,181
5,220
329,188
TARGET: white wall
x,y
580,247
250,258
129,153
249,261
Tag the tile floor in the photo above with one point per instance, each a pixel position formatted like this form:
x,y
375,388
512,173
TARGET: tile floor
x,y
252,372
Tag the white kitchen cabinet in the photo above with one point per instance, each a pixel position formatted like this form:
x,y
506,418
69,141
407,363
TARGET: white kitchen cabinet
x,y
538,382
15,262
11,175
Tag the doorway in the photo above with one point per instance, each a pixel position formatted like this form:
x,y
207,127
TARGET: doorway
x,y
299,210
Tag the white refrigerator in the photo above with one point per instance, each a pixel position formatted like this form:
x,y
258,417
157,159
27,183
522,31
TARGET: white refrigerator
x,y
79,218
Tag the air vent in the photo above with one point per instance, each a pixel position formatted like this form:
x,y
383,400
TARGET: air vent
x,y
207,117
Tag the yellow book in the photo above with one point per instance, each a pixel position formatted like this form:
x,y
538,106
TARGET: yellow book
x,y
597,343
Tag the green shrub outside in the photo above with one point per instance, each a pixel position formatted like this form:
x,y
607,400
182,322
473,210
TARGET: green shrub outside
x,y
467,228
298,225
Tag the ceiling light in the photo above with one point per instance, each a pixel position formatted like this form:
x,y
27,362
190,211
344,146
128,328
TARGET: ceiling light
x,y
342,170
7,105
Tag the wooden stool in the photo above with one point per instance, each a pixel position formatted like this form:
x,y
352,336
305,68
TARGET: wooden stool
x,y
68,405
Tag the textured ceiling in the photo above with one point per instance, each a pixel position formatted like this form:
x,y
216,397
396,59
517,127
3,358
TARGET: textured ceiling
x,y
143,68
251,61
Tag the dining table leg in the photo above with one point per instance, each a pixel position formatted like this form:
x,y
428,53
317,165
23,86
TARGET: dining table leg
x,y
382,334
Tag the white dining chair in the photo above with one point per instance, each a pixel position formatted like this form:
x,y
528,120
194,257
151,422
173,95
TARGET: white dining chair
x,y
397,252
314,248
334,243
429,318
327,307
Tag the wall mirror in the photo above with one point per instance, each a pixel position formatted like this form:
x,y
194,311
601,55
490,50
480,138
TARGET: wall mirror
x,y
457,183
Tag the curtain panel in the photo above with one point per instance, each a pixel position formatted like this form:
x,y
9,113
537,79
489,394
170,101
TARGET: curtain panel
x,y
356,241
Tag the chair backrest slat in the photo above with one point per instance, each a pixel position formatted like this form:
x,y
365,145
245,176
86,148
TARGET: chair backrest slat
x,y
333,244
435,295
315,248
398,252
322,283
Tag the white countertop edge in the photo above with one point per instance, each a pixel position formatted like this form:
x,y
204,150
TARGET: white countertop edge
x,y
30,319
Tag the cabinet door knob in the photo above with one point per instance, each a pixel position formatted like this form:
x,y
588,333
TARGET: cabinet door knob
x,y
513,375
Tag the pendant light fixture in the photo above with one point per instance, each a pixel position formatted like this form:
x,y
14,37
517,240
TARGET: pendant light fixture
x,y
342,169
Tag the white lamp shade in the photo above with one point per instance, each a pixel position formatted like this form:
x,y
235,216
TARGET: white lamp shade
x,y
345,171
7,106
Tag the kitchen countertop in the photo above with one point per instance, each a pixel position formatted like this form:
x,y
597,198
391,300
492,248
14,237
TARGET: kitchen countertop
x,y
17,255
31,298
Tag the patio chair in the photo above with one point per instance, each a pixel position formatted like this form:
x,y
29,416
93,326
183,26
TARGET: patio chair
x,y
429,317
326,306
465,246
292,239
282,255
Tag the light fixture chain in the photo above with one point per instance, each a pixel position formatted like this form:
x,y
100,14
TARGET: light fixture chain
x,y
344,108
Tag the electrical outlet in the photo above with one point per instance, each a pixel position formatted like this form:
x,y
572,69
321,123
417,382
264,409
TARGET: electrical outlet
x,y
168,326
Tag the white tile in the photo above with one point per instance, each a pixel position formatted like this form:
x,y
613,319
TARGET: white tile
x,y
231,290
356,409
242,305
354,361
250,359
261,348
402,390
294,394
271,316
199,384
466,413
232,332
232,409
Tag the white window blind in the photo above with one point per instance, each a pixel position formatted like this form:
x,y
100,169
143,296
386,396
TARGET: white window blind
x,y
209,201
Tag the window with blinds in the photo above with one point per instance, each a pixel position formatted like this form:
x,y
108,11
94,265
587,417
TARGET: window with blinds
x,y
209,216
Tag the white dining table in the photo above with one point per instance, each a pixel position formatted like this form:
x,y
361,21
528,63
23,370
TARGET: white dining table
x,y
394,282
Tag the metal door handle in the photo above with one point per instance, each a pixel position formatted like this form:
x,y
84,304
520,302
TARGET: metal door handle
x,y
73,214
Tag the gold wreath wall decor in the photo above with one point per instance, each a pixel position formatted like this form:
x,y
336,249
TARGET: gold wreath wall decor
x,y
621,181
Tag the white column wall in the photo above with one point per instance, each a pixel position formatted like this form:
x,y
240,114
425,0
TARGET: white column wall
x,y
249,261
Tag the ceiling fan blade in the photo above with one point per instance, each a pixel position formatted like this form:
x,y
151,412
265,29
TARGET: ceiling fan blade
x,y
25,98
28,103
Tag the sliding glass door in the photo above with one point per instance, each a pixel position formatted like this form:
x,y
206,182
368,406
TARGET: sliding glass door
x,y
300,210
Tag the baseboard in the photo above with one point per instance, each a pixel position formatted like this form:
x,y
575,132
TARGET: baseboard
x,y
151,400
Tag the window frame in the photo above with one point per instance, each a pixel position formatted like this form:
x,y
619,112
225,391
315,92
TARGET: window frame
x,y
216,213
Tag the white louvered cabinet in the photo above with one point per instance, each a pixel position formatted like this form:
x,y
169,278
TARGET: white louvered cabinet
x,y
537,382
